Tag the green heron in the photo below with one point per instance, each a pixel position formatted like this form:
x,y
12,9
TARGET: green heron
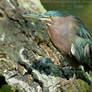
x,y
70,36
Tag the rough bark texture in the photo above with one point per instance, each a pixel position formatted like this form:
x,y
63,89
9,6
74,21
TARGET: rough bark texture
x,y
28,60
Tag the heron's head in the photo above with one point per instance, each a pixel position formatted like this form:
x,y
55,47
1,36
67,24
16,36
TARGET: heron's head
x,y
48,17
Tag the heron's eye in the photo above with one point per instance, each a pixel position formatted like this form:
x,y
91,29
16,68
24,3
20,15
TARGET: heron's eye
x,y
51,17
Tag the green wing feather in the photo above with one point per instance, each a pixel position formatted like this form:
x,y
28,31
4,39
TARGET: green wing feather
x,y
82,44
82,30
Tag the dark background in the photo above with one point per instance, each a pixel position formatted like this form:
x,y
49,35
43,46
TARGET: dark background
x,y
79,8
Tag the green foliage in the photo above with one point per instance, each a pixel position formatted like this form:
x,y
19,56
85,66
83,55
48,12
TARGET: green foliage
x,y
5,88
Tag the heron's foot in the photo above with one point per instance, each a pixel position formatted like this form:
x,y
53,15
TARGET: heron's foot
x,y
66,82
70,81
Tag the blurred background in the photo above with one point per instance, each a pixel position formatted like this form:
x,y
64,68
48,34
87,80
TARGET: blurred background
x,y
79,8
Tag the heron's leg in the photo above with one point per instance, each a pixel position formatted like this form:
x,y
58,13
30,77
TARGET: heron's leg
x,y
84,75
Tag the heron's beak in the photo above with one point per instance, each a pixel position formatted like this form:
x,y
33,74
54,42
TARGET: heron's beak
x,y
35,16
42,17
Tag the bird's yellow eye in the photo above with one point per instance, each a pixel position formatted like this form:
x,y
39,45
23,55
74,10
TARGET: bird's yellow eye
x,y
51,17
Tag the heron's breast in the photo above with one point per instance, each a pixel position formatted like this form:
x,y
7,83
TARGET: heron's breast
x,y
60,37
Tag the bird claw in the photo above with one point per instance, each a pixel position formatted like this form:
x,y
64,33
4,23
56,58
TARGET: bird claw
x,y
66,82
71,81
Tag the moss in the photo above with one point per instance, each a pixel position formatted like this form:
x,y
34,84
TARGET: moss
x,y
78,86
5,88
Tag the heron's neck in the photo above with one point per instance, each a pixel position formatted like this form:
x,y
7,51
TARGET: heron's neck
x,y
59,20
